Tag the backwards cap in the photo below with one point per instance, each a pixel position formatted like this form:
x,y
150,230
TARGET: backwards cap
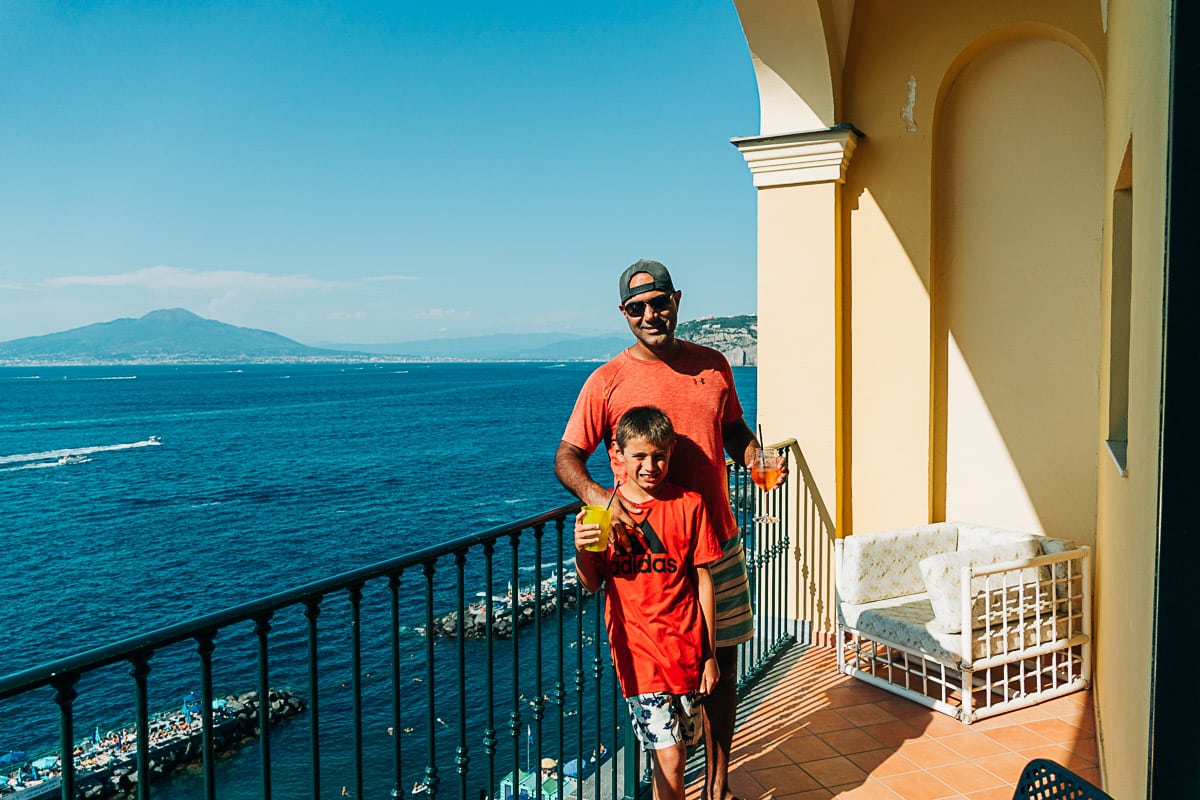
x,y
662,279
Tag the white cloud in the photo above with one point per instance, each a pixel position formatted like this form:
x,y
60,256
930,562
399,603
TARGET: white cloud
x,y
340,315
174,279
442,313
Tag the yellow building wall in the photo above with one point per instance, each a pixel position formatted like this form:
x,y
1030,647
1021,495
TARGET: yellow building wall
x,y
1135,107
796,271
900,61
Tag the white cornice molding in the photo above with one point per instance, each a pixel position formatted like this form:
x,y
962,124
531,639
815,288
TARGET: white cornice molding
x,y
795,158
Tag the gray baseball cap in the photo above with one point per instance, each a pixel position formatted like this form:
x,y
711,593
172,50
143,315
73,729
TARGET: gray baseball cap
x,y
662,279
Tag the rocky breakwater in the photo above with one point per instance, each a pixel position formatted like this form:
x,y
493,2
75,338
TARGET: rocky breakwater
x,y
109,768
529,604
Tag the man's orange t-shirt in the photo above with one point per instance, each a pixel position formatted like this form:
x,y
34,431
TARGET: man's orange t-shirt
x,y
695,390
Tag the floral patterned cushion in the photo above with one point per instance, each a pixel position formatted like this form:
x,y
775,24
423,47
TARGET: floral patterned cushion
x,y
942,576
909,622
885,564
973,537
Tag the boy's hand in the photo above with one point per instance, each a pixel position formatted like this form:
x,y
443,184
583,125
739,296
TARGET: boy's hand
x,y
622,521
709,675
586,535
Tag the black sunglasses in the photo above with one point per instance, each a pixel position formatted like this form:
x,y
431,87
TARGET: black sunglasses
x,y
635,308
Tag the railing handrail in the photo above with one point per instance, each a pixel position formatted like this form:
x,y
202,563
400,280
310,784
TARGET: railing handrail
x,y
43,674
810,482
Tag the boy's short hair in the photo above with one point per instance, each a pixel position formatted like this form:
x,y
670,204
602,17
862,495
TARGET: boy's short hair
x,y
645,422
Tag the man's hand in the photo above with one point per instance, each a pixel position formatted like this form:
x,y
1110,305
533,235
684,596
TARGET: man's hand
x,y
570,466
783,473
623,522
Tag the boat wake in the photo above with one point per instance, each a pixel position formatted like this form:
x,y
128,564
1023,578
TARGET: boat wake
x,y
73,455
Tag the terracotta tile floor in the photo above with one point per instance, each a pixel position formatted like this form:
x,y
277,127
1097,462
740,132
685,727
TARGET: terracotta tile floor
x,y
806,732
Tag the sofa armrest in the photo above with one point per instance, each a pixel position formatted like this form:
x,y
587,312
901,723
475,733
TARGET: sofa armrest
x,y
1028,603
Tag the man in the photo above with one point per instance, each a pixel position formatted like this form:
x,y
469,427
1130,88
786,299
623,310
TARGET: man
x,y
694,386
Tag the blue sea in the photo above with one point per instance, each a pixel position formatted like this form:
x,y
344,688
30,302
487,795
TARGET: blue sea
x,y
134,497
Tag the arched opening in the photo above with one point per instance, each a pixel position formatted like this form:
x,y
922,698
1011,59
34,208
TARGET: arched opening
x,y
1016,290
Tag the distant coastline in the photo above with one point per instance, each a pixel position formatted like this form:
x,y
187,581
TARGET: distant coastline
x,y
179,337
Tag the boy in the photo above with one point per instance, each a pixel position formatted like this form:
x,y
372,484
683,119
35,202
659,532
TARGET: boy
x,y
659,605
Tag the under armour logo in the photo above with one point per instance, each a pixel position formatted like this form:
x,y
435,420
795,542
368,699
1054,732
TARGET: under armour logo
x,y
697,381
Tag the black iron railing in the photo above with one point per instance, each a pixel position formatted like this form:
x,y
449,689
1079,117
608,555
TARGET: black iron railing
x,y
477,692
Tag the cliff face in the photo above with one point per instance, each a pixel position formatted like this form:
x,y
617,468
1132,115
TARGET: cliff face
x,y
735,337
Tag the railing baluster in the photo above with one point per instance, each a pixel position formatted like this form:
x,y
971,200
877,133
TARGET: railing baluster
x,y
514,716
431,770
560,692
580,681
629,767
262,626
597,677
205,646
64,697
312,609
538,694
140,671
462,758
396,730
489,733
355,594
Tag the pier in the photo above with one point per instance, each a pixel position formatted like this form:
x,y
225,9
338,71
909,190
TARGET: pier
x,y
106,766
529,604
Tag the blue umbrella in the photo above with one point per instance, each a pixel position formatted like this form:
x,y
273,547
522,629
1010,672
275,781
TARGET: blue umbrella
x,y
12,757
45,762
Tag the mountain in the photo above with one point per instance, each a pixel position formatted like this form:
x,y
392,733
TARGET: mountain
x,y
177,336
172,335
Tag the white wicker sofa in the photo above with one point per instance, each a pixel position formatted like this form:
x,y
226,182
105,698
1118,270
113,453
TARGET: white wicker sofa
x,y
925,611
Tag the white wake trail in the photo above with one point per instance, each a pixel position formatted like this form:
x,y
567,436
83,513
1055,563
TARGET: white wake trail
x,y
20,458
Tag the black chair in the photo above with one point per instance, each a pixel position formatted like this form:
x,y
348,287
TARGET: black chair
x,y
1043,779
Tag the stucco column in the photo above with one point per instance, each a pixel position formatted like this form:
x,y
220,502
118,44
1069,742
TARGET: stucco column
x,y
799,178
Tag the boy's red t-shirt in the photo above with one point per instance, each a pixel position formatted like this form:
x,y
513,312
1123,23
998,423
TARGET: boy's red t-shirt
x,y
652,608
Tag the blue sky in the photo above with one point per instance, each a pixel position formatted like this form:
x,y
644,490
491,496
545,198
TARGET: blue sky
x,y
371,172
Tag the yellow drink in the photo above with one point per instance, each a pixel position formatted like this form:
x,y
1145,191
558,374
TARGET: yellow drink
x,y
598,515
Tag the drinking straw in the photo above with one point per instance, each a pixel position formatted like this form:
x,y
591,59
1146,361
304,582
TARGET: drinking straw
x,y
611,496
762,458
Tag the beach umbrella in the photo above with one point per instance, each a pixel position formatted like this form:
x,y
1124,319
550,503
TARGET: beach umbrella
x,y
45,762
12,757
573,768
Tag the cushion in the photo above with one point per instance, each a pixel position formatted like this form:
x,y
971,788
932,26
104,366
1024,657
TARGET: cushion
x,y
973,537
943,578
884,564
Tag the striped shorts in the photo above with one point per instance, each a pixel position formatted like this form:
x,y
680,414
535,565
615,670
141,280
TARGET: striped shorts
x,y
735,618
